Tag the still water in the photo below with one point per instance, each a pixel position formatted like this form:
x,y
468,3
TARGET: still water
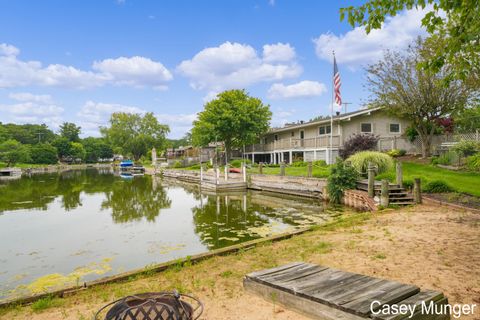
x,y
80,225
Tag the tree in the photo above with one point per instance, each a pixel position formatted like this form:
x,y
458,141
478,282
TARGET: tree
x,y
29,133
453,25
135,134
96,148
12,151
70,131
63,147
234,118
418,95
44,153
468,120
4,134
77,151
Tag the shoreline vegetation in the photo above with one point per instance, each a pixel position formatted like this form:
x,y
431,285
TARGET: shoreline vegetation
x,y
388,244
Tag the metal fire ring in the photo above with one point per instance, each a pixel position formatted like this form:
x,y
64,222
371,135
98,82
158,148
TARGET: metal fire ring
x,y
153,306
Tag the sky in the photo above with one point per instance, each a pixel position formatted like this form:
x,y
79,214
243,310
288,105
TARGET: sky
x,y
81,60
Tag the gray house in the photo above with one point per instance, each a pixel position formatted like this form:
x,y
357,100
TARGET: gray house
x,y
309,141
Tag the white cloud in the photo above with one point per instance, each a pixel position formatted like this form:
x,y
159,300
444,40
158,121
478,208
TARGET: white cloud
x,y
26,96
280,117
135,71
356,47
302,89
234,65
278,52
32,109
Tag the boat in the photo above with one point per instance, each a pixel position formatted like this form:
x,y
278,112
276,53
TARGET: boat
x,y
126,164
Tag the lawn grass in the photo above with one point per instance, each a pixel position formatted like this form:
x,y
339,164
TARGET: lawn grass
x,y
23,165
460,181
317,171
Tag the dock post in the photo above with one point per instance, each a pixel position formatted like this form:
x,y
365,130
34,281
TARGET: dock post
x,y
371,180
226,172
384,196
399,174
201,173
282,168
417,191
244,172
217,174
309,169
260,168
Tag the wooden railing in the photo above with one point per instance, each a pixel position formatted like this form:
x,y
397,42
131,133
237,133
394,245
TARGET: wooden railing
x,y
293,144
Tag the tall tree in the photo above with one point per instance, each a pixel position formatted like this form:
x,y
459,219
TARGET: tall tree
x,y
12,151
455,24
70,131
135,134
29,133
234,118
418,95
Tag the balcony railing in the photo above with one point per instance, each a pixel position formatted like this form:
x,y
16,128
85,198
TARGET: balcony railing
x,y
295,144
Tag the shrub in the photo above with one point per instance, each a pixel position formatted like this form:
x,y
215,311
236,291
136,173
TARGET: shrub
x,y
437,186
319,163
299,164
466,148
396,153
44,153
473,162
237,163
178,164
448,158
408,184
341,178
360,161
358,142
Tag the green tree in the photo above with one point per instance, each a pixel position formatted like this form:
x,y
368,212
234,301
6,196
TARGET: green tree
x,y
70,131
454,25
29,133
418,95
4,134
44,153
468,120
135,134
77,151
63,147
96,148
234,118
12,151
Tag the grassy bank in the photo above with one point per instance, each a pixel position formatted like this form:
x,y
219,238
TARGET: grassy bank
x,y
317,171
460,181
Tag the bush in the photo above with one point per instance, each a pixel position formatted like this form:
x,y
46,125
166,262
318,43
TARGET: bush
x,y
319,163
396,153
473,162
358,142
447,158
341,178
299,164
44,153
437,186
178,164
466,148
408,184
237,163
360,160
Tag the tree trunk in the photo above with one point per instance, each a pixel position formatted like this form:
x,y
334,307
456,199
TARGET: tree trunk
x,y
228,151
426,143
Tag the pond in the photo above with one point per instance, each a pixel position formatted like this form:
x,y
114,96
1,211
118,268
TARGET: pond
x,y
61,229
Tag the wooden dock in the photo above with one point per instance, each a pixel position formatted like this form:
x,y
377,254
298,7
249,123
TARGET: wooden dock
x,y
210,180
325,293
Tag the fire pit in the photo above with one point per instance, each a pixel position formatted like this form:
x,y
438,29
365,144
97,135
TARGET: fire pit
x,y
153,306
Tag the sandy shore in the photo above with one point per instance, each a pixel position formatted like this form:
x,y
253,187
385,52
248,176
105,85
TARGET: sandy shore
x,y
429,246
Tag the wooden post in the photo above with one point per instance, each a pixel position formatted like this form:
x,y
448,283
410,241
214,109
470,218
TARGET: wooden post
x,y
244,171
417,191
399,175
226,172
384,196
201,173
309,169
371,180
282,168
260,168
217,174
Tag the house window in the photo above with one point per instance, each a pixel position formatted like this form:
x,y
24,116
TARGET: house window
x,y
276,137
293,134
366,127
324,130
265,140
394,127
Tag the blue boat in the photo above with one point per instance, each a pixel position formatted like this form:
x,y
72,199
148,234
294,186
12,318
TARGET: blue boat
x,y
126,164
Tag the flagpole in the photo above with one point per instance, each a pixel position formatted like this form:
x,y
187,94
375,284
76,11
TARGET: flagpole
x,y
331,110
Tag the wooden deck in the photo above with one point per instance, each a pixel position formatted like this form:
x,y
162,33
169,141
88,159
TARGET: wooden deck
x,y
325,293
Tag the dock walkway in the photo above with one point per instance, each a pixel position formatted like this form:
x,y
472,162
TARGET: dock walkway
x,y
325,293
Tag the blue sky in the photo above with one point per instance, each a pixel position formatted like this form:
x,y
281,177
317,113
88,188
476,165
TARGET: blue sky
x,y
81,60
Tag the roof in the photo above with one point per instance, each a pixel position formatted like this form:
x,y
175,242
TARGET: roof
x,y
340,117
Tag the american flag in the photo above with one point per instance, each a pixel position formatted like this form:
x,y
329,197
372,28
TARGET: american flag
x,y
336,83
